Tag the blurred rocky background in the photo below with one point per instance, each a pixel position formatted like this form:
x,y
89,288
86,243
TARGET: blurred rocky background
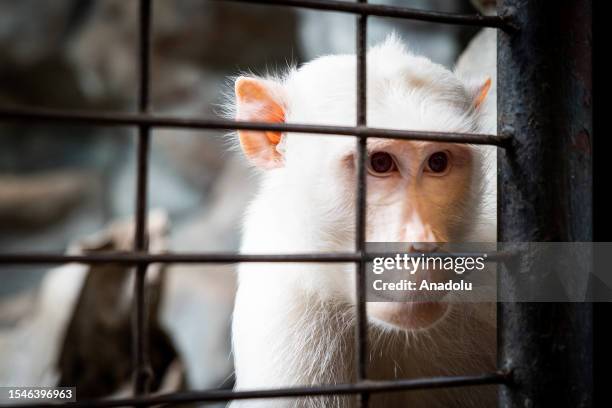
x,y
60,183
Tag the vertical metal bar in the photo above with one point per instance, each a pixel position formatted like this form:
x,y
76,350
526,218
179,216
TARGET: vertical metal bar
x,y
362,322
545,190
142,370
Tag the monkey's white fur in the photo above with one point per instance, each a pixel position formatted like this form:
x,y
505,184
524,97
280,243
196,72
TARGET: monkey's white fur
x,y
294,323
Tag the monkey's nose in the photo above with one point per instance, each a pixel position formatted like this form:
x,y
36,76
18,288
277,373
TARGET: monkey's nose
x,y
425,247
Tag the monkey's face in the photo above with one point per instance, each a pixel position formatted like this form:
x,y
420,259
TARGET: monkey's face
x,y
417,192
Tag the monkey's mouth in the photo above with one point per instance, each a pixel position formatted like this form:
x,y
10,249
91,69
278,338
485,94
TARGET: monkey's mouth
x,y
414,315
410,310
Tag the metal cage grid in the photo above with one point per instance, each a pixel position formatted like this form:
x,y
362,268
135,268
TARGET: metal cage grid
x,y
140,258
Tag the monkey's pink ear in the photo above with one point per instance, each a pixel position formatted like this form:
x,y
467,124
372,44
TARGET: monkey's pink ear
x,y
480,92
259,100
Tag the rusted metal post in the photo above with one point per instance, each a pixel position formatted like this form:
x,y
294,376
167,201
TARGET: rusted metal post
x,y
545,192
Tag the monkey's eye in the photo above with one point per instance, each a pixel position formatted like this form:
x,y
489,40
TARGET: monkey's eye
x,y
438,163
381,163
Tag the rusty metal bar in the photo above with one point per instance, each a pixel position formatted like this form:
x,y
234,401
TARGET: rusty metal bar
x,y
380,10
132,119
498,377
132,258
140,331
147,258
545,191
361,327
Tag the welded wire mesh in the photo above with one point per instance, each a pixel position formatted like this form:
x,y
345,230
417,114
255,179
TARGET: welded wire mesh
x,y
140,258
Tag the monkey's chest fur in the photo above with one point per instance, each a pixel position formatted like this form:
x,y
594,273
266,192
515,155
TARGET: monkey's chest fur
x,y
315,344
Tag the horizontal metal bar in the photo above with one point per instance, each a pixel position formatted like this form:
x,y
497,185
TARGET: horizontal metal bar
x,y
499,377
136,258
381,10
138,119
132,258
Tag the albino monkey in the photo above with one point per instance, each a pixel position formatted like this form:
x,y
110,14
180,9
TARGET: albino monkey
x,y
294,324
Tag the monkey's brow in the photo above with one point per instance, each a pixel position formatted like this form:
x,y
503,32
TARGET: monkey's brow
x,y
377,144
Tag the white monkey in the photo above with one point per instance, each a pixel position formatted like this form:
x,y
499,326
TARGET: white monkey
x,y
293,324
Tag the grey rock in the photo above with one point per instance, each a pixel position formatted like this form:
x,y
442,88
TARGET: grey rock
x,y
31,201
